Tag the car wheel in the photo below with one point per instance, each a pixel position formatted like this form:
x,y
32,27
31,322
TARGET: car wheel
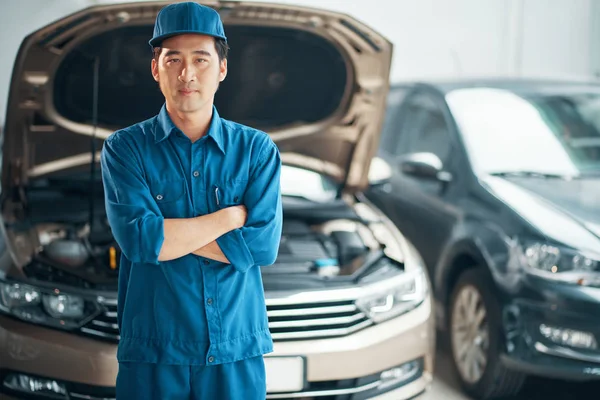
x,y
476,339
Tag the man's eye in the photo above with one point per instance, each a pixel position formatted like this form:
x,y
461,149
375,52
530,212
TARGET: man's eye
x,y
172,60
201,60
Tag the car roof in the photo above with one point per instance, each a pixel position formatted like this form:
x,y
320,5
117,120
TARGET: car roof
x,y
517,85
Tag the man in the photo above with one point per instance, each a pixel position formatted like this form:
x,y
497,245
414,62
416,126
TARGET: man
x,y
194,203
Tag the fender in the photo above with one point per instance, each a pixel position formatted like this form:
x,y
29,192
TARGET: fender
x,y
472,244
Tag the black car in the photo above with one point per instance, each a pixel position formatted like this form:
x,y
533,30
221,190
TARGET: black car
x,y
497,183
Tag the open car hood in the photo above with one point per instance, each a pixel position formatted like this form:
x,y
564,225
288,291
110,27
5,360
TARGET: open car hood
x,y
316,81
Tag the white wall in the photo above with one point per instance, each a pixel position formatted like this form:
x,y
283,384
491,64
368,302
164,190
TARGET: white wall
x,y
460,38
557,37
432,38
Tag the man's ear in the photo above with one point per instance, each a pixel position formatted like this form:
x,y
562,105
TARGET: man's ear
x,y
154,68
222,70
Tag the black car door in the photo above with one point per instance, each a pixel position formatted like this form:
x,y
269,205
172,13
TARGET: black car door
x,y
422,206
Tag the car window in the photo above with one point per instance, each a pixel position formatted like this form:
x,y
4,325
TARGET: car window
x,y
430,133
547,133
390,133
311,185
425,128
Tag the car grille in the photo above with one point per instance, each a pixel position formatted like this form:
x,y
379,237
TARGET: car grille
x,y
105,324
286,321
315,320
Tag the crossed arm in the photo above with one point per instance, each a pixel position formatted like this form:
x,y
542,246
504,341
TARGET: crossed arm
x,y
212,251
243,236
197,235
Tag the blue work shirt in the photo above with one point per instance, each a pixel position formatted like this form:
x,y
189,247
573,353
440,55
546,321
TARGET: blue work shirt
x,y
191,310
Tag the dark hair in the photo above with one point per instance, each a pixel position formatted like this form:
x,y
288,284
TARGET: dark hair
x,y
220,44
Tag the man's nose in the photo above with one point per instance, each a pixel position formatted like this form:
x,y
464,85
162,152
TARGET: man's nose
x,y
187,74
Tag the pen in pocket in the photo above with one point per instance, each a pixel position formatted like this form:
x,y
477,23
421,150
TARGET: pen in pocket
x,y
217,195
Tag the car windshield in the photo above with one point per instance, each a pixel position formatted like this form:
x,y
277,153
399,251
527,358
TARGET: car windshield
x,y
542,134
300,182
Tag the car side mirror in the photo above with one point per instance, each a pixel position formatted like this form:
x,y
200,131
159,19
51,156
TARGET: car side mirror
x,y
425,166
380,172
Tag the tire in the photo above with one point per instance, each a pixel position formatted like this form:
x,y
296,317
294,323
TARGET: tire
x,y
473,295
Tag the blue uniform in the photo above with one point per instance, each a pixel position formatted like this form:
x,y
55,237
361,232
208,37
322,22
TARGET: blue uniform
x,y
231,381
191,311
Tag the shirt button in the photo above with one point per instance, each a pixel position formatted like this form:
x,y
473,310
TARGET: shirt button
x,y
159,197
209,302
196,174
211,359
206,262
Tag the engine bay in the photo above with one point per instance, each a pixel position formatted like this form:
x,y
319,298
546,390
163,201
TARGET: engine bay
x,y
71,254
321,243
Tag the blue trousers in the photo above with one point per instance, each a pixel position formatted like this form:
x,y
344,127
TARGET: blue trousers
x,y
242,380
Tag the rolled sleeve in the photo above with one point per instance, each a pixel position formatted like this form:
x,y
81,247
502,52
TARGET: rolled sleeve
x,y
257,242
135,220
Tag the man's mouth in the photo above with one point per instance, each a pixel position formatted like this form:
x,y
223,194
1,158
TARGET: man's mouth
x,y
186,92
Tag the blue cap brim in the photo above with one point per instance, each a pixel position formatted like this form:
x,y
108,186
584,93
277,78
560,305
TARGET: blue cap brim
x,y
154,42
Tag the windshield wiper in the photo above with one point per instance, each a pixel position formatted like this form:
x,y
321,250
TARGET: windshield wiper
x,y
534,174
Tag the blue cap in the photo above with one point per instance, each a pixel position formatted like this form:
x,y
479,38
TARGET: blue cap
x,y
188,17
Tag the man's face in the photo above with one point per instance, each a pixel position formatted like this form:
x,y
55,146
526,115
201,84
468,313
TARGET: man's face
x,y
188,71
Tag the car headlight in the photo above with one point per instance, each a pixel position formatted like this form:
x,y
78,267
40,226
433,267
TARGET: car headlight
x,y
562,264
39,306
398,295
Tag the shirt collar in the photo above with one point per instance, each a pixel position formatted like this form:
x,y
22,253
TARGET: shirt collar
x,y
165,127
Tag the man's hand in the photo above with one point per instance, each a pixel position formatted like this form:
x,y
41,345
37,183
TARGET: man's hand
x,y
238,215
212,251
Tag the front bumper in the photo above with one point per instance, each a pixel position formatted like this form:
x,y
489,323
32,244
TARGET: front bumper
x,y
547,303
401,393
347,367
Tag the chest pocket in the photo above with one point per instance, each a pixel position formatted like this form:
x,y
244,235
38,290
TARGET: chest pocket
x,y
228,194
170,196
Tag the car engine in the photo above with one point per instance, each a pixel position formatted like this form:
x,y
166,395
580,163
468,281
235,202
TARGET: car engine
x,y
319,243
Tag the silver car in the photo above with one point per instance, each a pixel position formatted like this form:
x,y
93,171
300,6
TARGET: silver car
x,y
348,299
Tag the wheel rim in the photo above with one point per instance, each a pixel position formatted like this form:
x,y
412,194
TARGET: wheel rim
x,y
470,334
